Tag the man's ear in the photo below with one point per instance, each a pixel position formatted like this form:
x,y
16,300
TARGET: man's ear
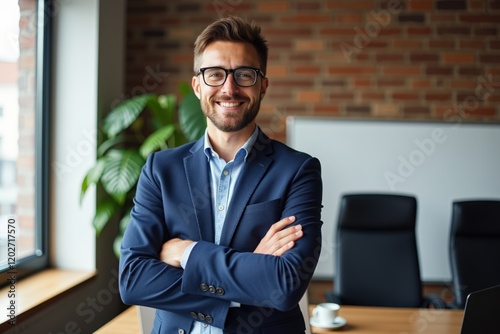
x,y
195,83
263,88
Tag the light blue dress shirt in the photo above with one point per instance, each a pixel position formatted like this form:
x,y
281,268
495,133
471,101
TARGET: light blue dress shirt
x,y
224,177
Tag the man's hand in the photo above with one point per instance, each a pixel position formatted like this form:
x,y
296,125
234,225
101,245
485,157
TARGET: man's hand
x,y
172,250
279,239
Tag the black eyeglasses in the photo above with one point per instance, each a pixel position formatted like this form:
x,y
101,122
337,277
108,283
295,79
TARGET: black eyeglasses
x,y
242,76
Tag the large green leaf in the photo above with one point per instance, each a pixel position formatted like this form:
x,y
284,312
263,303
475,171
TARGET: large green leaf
x,y
121,173
92,176
125,114
104,213
157,140
191,117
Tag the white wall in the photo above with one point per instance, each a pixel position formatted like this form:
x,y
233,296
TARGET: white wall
x,y
437,162
88,60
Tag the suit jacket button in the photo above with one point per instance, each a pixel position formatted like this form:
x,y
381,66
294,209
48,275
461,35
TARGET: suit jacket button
x,y
220,291
211,288
209,319
204,287
194,315
201,316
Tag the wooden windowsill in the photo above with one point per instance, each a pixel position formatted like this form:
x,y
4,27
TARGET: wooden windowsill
x,y
37,291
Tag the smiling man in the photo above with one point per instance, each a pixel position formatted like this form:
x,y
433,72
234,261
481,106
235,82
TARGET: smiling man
x,y
225,233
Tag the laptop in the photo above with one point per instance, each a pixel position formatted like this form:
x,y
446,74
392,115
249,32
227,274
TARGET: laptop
x,y
482,312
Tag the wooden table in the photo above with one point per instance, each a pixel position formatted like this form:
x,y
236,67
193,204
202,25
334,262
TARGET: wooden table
x,y
387,320
360,320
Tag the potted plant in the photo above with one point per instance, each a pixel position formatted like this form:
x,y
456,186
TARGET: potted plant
x,y
132,130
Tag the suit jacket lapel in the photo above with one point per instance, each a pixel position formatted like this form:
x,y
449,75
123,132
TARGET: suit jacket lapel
x,y
254,170
197,173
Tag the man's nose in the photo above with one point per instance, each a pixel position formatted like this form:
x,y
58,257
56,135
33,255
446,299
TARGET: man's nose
x,y
230,87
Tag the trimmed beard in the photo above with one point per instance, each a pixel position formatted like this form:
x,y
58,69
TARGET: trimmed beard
x,y
230,124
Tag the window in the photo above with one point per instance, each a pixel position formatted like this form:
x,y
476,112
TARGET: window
x,y
24,60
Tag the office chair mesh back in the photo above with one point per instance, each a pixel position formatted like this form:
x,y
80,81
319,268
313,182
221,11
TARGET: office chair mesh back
x,y
377,260
474,247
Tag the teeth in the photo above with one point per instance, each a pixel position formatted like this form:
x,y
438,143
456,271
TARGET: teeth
x,y
229,104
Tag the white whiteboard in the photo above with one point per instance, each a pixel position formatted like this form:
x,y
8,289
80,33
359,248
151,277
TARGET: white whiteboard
x,y
437,162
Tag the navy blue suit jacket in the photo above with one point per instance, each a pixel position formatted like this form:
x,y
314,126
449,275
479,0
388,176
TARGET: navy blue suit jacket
x,y
173,199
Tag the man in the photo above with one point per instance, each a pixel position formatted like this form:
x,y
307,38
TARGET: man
x,y
226,231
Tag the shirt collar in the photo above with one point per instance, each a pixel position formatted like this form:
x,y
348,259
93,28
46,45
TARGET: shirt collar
x,y
247,147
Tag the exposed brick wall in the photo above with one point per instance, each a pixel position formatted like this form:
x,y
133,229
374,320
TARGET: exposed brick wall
x,y
347,58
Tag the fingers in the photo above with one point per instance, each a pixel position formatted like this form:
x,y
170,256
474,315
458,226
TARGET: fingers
x,y
280,238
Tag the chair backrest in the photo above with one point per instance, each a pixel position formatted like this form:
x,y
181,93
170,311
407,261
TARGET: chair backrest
x,y
474,247
376,259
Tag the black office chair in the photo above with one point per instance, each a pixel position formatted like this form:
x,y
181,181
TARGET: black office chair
x,y
376,255
474,247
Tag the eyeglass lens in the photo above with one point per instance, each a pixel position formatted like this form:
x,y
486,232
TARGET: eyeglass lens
x,y
244,77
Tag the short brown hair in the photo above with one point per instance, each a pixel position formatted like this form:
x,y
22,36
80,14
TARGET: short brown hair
x,y
231,29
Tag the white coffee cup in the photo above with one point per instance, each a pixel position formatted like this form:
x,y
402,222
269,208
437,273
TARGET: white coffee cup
x,y
326,313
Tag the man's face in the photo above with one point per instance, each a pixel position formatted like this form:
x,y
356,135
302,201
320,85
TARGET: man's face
x,y
230,107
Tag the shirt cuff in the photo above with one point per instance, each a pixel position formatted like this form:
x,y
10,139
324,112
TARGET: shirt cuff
x,y
185,255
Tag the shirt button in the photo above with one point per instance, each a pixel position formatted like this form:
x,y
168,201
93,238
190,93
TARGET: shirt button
x,y
205,325
221,207
181,331
226,172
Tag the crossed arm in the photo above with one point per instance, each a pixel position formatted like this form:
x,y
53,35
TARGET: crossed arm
x,y
277,241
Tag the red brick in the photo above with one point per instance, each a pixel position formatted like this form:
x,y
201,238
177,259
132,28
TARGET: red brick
x,y
276,6
309,70
347,70
342,96
389,57
439,70
349,4
442,18
326,109
407,44
495,44
421,5
419,31
396,82
409,110
306,18
355,109
372,96
421,83
458,58
402,70
309,96
348,18
471,44
362,82
489,58
405,96
438,96
480,18
280,32
453,30
442,44
486,31
424,57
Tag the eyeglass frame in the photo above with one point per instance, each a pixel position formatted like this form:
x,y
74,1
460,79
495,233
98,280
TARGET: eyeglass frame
x,y
230,71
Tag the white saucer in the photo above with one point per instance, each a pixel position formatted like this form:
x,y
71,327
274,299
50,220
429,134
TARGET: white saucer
x,y
337,323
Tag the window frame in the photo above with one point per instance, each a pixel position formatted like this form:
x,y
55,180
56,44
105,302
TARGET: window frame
x,y
40,258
